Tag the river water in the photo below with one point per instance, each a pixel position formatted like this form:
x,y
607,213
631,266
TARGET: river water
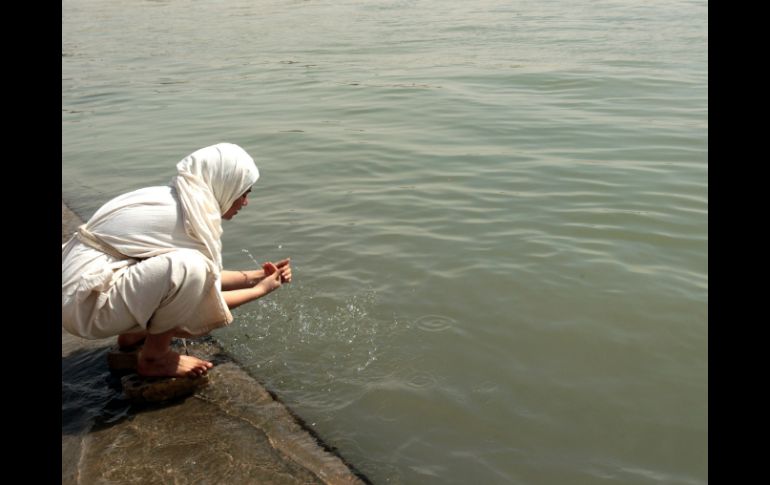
x,y
497,214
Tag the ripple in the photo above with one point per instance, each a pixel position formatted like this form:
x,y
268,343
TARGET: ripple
x,y
422,380
435,323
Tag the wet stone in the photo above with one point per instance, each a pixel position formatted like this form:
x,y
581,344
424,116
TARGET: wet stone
x,y
157,389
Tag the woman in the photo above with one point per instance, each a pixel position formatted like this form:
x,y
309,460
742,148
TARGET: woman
x,y
147,266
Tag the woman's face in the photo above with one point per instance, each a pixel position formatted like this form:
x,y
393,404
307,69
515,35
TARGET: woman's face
x,y
241,201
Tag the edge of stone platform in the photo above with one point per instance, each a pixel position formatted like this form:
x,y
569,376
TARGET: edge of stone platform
x,y
287,432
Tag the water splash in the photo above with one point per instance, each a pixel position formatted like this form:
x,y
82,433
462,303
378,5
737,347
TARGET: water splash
x,y
293,336
251,257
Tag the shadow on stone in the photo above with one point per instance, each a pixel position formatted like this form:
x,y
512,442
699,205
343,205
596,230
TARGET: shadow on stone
x,y
94,397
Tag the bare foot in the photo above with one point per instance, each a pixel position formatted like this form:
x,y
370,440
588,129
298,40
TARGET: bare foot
x,y
171,364
126,341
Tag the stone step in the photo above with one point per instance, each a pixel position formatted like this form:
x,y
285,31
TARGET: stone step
x,y
156,389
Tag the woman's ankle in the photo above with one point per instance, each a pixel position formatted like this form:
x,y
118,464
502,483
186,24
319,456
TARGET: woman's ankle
x,y
129,341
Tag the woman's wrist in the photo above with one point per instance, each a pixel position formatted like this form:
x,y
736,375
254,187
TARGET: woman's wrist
x,y
247,281
252,277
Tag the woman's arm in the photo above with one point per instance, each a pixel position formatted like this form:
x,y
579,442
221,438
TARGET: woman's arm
x,y
273,279
236,298
236,280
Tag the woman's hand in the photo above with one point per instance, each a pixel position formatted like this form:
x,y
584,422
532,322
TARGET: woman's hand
x,y
273,275
272,280
276,274
284,266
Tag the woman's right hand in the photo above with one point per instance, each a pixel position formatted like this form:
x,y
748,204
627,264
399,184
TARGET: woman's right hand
x,y
284,267
272,279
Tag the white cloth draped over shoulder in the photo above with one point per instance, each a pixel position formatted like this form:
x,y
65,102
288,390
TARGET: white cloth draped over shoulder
x,y
208,182
151,259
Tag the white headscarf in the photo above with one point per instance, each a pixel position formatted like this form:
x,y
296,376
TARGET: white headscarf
x,y
208,182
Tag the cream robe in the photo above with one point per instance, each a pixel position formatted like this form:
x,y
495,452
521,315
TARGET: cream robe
x,y
166,283
151,259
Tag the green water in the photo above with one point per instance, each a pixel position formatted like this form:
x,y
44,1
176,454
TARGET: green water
x,y
497,213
